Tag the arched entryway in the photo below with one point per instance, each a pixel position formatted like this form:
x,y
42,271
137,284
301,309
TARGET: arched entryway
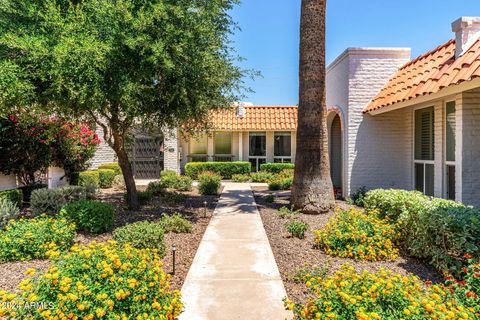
x,y
336,152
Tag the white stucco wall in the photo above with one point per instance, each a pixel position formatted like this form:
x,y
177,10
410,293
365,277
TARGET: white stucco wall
x,y
7,182
376,149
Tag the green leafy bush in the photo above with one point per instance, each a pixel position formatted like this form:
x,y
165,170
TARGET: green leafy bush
x,y
103,281
37,238
209,183
355,234
241,178
358,197
297,228
118,183
89,215
105,177
156,187
270,198
175,224
15,196
172,180
89,177
111,166
73,193
142,235
262,176
439,230
8,210
286,212
225,169
276,167
48,201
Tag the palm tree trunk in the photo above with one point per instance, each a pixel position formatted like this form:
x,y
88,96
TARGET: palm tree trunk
x,y
312,190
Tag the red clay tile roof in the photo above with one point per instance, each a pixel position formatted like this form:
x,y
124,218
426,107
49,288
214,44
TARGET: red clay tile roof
x,y
256,118
429,74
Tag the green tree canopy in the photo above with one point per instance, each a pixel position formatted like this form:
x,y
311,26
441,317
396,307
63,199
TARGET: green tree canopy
x,y
121,62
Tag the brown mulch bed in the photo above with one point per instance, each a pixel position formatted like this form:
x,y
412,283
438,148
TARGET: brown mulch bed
x,y
292,254
196,208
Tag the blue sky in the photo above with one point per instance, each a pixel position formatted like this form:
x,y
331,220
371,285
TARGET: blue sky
x,y
269,38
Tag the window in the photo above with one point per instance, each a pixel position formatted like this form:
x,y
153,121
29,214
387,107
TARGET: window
x,y
223,143
258,149
283,147
424,150
450,132
198,145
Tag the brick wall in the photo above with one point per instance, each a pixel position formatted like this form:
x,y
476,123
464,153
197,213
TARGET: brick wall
x,y
104,153
470,147
172,150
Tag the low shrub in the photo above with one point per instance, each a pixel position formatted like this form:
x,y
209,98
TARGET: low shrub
x,y
89,215
105,178
97,281
358,197
175,223
303,274
37,238
89,177
111,166
15,196
118,183
172,180
276,167
297,228
467,291
209,183
270,198
225,169
8,210
349,294
142,235
355,234
241,178
286,212
48,201
262,176
156,187
73,193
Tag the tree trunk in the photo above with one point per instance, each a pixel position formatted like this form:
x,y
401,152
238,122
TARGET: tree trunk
x,y
312,190
119,148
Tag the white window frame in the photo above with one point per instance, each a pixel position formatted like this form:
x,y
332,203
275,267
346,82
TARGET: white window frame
x,y
257,158
448,163
422,162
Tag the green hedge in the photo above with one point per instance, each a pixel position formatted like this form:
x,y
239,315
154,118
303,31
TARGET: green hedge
x,y
276,167
89,177
111,166
225,169
106,177
438,230
15,196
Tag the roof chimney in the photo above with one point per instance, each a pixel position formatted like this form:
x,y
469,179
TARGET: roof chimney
x,y
467,31
241,111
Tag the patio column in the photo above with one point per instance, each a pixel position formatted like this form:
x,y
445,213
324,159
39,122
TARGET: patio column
x,y
240,146
211,147
270,146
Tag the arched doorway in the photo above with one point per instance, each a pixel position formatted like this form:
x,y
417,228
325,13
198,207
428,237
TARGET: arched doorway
x,y
336,152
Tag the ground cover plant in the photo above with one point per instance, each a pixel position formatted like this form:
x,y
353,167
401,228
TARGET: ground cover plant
x,y
37,238
349,294
355,234
105,280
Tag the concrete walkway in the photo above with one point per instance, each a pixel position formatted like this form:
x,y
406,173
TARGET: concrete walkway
x,y
234,274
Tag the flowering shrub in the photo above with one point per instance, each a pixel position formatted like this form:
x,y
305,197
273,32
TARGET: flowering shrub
x,y
354,234
32,143
381,295
37,238
467,291
100,281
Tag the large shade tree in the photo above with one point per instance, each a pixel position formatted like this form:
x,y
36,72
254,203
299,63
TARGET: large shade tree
x,y
122,63
312,189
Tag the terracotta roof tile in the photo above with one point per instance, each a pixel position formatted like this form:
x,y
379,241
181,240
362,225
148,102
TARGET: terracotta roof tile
x,y
256,118
428,74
